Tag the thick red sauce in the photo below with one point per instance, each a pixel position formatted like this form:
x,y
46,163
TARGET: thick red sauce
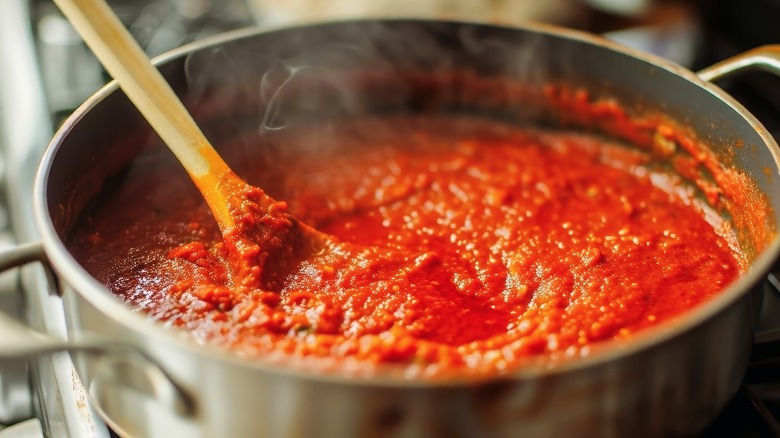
x,y
465,245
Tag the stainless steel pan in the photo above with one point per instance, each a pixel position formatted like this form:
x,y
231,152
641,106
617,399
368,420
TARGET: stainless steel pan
x,y
148,380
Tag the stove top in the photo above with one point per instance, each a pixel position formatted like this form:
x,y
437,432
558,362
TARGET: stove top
x,y
55,72
754,412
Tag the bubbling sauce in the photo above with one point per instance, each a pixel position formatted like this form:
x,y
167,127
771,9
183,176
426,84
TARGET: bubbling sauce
x,y
468,245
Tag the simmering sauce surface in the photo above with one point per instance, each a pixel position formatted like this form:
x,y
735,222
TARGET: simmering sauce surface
x,y
468,245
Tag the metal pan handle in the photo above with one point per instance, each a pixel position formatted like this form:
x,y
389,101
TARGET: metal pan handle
x,y
765,58
138,371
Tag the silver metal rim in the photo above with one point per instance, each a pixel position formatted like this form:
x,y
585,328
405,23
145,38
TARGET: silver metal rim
x,y
94,293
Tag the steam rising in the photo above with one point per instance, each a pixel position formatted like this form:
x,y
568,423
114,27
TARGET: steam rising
x,y
515,59
325,68
297,76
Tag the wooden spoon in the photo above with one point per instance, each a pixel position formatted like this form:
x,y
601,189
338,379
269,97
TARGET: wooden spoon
x,y
124,59
245,214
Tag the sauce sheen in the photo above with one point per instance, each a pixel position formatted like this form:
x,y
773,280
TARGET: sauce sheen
x,y
470,245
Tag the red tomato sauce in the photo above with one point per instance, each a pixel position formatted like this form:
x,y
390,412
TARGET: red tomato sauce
x,y
465,244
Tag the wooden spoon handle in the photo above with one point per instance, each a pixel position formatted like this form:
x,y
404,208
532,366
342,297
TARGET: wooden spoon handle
x,y
143,84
